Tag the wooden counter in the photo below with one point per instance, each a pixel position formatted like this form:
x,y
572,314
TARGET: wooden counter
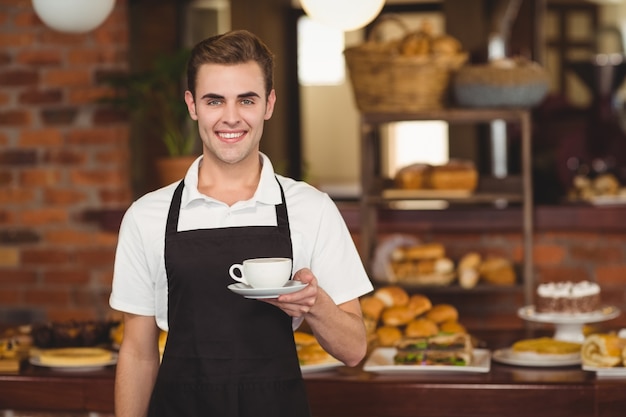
x,y
505,391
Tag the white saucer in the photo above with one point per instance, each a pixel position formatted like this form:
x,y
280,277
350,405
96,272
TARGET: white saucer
x,y
507,356
257,293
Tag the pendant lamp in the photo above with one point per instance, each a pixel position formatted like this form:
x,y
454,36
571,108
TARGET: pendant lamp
x,y
73,16
346,15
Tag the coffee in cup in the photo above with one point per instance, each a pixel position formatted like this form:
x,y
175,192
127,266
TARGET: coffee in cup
x,y
262,272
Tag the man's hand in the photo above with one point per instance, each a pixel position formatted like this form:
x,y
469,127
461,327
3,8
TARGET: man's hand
x,y
299,303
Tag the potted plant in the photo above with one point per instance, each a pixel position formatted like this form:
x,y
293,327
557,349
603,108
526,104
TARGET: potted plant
x,y
154,99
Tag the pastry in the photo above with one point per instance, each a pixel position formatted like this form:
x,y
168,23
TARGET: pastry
x,y
603,350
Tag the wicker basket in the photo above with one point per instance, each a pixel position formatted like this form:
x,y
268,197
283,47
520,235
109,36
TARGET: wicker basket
x,y
387,81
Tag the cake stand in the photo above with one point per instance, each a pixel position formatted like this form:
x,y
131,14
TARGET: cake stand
x,y
569,327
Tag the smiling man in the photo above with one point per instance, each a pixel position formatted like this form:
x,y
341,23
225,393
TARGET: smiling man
x,y
227,355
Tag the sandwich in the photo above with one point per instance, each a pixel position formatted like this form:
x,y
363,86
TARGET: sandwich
x,y
442,349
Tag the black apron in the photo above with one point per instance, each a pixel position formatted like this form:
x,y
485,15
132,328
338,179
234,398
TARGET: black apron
x,y
226,355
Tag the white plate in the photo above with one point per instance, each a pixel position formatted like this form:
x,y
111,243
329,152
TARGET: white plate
x,y
608,200
605,313
249,292
333,363
34,360
507,356
381,360
618,371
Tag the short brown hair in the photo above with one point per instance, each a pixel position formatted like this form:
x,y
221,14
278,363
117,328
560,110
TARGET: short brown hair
x,y
234,47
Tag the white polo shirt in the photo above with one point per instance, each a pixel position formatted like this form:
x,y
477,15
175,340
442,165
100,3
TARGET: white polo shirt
x,y
320,239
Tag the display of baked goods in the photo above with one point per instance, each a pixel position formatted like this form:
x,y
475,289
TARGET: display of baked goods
x,y
597,189
405,260
567,297
455,175
392,315
604,350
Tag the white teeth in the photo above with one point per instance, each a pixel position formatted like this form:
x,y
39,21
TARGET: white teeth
x,y
230,135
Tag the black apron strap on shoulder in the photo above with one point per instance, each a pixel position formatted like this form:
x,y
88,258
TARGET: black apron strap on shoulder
x,y
172,215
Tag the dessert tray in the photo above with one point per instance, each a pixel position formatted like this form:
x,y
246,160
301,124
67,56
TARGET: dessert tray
x,y
569,327
508,357
381,361
259,293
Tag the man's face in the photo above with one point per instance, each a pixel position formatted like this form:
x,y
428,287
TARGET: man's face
x,y
231,108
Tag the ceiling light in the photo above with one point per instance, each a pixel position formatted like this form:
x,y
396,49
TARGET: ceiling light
x,y
343,14
73,16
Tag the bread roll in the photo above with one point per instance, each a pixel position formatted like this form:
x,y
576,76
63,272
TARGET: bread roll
x,y
497,271
470,260
421,327
392,296
443,266
468,278
419,304
372,307
388,335
426,251
397,316
452,326
442,312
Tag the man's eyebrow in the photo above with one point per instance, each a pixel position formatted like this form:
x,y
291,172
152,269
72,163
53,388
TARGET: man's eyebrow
x,y
219,97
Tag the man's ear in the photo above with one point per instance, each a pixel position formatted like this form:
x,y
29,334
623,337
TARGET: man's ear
x,y
271,100
191,105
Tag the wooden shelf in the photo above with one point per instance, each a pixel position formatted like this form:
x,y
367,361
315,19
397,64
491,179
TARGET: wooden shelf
x,y
377,194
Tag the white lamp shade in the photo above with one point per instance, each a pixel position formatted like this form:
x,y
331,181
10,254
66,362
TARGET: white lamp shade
x,y
73,16
343,14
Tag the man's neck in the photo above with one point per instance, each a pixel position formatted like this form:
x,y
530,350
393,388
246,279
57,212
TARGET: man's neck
x,y
229,183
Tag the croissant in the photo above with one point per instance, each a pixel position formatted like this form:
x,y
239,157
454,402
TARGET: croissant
x,y
603,350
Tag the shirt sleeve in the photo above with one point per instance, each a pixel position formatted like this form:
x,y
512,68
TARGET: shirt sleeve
x,y
335,261
133,286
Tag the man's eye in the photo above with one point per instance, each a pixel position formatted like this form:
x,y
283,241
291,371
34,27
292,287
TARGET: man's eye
x,y
247,101
214,102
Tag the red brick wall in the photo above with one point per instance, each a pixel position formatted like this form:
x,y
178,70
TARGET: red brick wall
x,y
61,157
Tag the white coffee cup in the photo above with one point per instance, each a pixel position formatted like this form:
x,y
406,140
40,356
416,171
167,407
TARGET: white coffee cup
x,y
262,272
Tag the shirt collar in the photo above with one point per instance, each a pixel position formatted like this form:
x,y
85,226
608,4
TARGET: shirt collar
x,y
267,191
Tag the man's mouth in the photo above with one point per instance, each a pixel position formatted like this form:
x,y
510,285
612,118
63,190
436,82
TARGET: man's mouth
x,y
230,135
